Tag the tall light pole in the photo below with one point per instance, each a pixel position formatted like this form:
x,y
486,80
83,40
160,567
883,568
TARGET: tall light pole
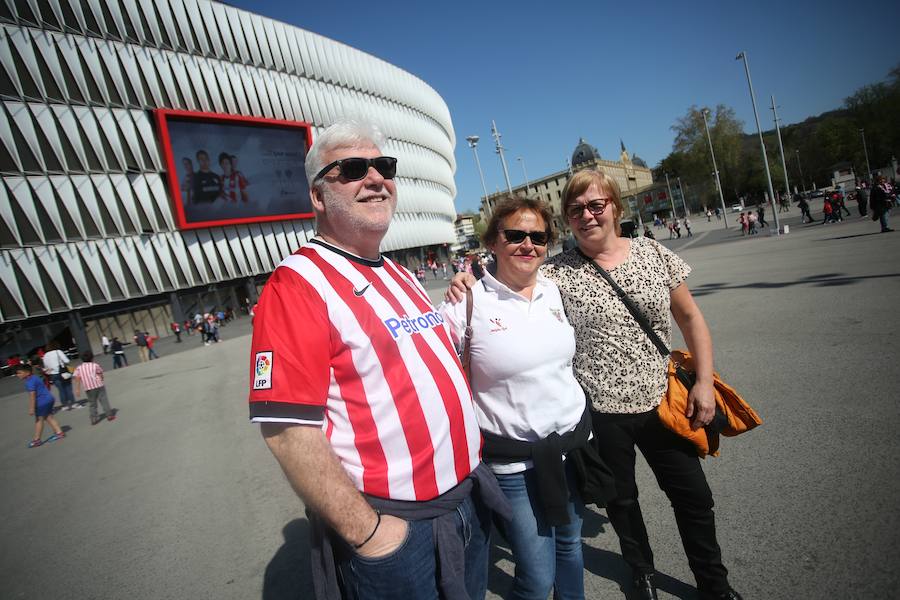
x,y
671,199
473,142
524,172
800,169
787,186
862,132
681,191
712,153
496,135
743,55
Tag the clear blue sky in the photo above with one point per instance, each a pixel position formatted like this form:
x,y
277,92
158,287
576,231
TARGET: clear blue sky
x,y
551,72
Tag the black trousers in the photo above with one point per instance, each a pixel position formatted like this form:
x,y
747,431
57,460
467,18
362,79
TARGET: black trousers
x,y
677,468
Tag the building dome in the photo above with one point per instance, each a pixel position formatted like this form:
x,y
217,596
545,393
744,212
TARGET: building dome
x,y
638,161
584,153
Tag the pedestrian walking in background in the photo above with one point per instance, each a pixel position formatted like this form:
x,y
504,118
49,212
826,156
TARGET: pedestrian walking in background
x,y
687,225
176,329
761,215
671,227
804,211
118,350
828,211
140,340
677,224
56,367
89,377
40,405
708,216
881,199
718,214
104,341
151,339
751,222
648,233
862,198
744,223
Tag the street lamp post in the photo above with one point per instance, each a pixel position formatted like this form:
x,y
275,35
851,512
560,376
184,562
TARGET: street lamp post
x,y
800,169
715,168
681,191
496,135
524,172
787,186
743,55
671,199
473,142
862,132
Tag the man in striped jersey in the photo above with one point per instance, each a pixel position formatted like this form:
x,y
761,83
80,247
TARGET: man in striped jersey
x,y
362,399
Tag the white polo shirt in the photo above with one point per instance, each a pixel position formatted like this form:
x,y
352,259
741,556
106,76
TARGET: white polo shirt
x,y
522,379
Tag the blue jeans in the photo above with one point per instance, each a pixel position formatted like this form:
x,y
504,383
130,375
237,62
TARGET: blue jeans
x,y
410,572
64,386
546,557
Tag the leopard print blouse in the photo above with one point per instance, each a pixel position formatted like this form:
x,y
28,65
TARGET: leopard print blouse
x,y
615,362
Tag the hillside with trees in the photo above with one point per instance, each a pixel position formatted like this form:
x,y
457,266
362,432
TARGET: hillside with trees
x,y
813,147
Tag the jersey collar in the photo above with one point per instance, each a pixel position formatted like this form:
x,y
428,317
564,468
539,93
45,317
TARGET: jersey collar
x,y
368,262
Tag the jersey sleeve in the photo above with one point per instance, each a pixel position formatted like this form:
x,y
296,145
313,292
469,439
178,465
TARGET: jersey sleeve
x,y
290,357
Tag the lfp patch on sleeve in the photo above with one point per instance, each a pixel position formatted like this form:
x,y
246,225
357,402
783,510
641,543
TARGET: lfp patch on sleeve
x,y
262,371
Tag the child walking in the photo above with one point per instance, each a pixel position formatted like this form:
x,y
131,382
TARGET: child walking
x,y
40,404
89,375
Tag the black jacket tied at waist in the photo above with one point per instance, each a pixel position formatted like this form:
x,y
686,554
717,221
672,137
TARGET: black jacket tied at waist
x,y
595,480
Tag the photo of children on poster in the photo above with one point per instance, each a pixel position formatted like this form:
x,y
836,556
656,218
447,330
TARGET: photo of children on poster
x,y
235,170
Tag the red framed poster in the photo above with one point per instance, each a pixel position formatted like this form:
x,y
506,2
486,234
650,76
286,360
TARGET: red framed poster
x,y
231,169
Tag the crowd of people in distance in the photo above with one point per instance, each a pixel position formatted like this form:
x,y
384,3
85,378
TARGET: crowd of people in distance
x,y
875,200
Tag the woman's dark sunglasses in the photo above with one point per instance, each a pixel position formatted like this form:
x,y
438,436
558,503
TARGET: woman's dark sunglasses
x,y
517,236
354,168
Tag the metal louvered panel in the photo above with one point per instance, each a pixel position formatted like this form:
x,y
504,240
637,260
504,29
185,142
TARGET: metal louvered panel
x,y
100,141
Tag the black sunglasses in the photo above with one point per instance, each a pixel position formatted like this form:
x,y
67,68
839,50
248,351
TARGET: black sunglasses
x,y
355,168
517,236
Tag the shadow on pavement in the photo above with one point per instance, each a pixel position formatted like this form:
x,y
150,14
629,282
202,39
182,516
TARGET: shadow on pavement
x,y
288,575
832,279
847,237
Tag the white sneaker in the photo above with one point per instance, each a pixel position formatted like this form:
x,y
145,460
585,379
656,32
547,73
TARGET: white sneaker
x,y
206,343
77,406
67,408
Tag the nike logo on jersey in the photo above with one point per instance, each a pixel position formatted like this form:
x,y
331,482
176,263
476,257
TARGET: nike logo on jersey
x,y
359,293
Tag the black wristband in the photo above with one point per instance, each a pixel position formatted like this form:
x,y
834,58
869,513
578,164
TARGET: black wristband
x,y
371,535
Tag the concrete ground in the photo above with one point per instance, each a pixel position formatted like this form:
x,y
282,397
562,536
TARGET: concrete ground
x,y
179,498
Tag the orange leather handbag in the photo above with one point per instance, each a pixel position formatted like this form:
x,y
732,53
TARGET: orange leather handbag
x,y
733,415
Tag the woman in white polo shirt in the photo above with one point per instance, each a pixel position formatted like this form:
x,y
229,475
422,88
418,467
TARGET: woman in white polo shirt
x,y
529,406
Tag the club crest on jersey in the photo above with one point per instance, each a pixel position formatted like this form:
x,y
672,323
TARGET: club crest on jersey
x,y
262,371
411,325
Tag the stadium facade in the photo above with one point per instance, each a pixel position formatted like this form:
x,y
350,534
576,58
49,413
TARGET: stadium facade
x,y
89,239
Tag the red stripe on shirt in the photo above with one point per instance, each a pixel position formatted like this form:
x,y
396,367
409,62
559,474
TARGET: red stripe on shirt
x,y
447,389
90,374
365,430
397,377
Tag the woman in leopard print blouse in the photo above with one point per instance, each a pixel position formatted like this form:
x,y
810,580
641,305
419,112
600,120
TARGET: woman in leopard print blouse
x,y
625,375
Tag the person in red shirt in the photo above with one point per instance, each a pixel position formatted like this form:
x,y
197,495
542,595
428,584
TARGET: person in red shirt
x,y
362,400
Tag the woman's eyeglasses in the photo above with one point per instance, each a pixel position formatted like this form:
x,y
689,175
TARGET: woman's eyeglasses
x,y
517,236
354,168
595,207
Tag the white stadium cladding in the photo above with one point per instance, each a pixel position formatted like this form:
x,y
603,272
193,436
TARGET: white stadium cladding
x,y
85,213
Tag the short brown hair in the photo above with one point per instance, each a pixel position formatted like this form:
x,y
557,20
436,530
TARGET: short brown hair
x,y
511,205
582,180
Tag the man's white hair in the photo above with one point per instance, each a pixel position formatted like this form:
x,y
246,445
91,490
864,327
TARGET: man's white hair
x,y
346,133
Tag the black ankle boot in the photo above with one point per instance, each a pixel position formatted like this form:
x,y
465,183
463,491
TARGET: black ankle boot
x,y
729,595
644,588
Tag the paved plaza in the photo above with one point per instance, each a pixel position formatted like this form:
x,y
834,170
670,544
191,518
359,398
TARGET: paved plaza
x,y
179,497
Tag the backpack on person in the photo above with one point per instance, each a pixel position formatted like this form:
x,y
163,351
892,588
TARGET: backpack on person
x,y
140,339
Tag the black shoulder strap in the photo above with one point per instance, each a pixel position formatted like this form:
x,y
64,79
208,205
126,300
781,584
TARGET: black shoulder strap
x,y
629,304
467,338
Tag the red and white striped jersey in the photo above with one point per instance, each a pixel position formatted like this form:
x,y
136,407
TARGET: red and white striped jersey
x,y
356,347
90,374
